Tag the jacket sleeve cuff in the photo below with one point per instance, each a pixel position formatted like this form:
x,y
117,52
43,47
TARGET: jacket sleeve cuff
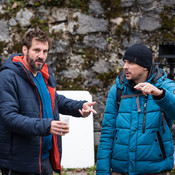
x,y
159,97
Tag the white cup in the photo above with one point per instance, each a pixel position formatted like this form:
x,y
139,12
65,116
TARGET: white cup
x,y
65,119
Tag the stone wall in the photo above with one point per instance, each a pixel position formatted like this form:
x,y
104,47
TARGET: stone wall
x,y
89,38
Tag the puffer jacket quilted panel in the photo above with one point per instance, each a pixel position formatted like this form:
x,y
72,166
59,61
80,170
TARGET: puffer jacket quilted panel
x,y
131,138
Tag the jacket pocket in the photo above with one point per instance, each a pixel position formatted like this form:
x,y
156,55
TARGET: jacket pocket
x,y
161,145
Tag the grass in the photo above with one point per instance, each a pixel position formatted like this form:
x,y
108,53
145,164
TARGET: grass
x,y
90,171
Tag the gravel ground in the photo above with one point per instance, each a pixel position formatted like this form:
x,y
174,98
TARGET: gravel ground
x,y
76,173
88,171
79,172
71,173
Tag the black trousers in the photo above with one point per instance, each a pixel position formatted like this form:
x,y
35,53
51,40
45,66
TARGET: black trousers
x,y
46,169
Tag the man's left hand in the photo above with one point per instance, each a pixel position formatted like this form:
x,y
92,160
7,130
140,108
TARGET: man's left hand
x,y
148,88
87,109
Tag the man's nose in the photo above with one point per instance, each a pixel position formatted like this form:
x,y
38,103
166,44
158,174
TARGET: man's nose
x,y
125,66
41,54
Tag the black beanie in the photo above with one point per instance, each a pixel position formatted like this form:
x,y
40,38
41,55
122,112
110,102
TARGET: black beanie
x,y
139,54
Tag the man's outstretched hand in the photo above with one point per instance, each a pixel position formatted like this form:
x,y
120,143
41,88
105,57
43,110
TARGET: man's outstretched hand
x,y
87,109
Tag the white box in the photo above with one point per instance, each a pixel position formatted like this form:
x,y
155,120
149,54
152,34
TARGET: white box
x,y
78,144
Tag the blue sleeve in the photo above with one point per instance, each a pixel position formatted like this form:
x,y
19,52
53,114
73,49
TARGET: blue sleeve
x,y
68,106
167,103
107,135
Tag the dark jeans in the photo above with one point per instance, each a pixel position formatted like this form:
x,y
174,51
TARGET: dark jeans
x,y
46,169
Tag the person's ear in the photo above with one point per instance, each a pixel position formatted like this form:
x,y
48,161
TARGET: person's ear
x,y
24,50
145,69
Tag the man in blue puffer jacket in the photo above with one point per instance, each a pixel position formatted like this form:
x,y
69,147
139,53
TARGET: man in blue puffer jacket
x,y
136,137
30,130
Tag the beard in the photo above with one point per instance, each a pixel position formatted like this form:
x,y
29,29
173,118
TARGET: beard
x,y
33,65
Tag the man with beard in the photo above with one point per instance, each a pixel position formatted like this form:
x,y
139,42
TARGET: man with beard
x,y
136,138
30,130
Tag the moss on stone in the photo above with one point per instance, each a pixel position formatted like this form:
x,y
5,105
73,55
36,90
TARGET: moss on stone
x,y
74,84
92,89
119,30
53,2
71,84
37,23
5,16
167,23
90,56
3,44
75,19
107,77
24,2
11,11
112,8
58,35
39,3
82,4
17,47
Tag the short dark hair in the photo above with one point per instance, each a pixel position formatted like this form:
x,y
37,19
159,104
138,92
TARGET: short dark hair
x,y
37,34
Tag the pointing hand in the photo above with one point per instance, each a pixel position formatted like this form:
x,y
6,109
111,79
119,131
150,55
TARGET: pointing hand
x,y
87,109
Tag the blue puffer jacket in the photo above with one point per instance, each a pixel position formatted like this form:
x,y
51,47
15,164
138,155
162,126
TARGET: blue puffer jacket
x,y
21,123
136,139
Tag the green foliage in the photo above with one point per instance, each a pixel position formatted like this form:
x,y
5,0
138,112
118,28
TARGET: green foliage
x,y
90,170
109,39
37,4
172,172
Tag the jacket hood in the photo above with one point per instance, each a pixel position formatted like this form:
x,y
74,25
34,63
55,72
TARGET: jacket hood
x,y
9,64
155,76
16,64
